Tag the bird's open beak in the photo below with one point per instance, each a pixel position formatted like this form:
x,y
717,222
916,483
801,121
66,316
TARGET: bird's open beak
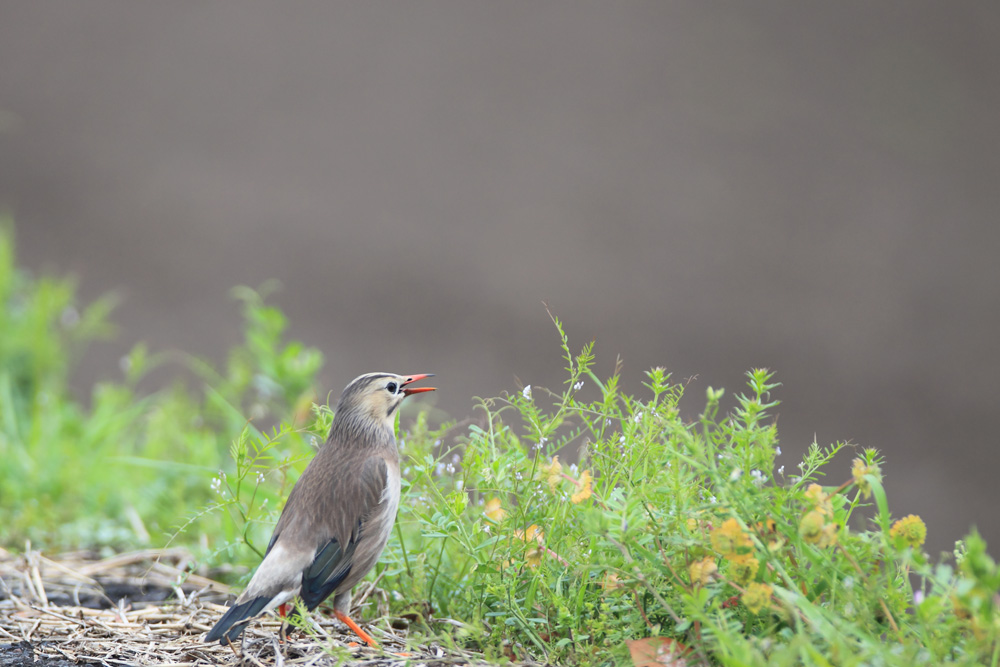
x,y
417,390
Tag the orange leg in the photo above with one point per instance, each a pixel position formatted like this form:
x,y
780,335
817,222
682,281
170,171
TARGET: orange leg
x,y
364,636
283,610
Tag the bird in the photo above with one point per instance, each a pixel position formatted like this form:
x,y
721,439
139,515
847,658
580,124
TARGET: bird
x,y
339,514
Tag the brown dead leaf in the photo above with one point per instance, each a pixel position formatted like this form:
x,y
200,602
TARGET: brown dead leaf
x,y
659,652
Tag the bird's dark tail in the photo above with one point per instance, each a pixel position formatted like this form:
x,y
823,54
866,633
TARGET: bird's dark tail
x,y
234,621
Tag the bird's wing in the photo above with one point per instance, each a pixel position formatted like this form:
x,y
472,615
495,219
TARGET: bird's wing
x,y
312,549
355,500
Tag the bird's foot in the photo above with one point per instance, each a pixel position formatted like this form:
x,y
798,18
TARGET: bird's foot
x,y
364,636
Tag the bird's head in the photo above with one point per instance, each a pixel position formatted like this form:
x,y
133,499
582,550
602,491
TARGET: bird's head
x,y
376,396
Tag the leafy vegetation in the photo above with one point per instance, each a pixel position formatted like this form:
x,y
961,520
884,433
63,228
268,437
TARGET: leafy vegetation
x,y
128,469
667,533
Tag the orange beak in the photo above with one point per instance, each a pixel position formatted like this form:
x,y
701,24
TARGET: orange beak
x,y
417,390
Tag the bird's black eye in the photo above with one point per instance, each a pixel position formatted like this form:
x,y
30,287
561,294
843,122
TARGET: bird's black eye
x,y
391,387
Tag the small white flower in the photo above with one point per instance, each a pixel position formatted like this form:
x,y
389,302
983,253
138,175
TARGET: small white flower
x,y
712,499
456,458
517,475
622,440
918,597
735,474
459,484
260,477
439,469
607,422
573,469
777,451
527,392
578,385
781,471
758,477
638,417
450,468
537,446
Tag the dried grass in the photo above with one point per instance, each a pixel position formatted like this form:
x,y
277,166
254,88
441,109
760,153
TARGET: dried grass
x,y
40,603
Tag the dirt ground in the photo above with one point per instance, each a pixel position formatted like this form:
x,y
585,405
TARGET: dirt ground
x,y
147,608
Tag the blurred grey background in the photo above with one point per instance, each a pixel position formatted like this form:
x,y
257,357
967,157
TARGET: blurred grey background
x,y
706,186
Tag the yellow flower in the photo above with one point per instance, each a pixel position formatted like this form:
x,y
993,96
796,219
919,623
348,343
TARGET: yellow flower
x,y
611,582
701,571
815,526
583,488
815,530
858,471
911,529
532,533
757,596
552,473
533,556
767,526
493,510
819,499
730,541
745,570
767,531
811,526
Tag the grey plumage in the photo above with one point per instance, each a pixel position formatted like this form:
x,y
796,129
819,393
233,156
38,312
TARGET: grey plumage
x,y
339,514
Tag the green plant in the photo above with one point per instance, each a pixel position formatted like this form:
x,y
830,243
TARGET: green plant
x,y
665,528
126,470
43,431
670,529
